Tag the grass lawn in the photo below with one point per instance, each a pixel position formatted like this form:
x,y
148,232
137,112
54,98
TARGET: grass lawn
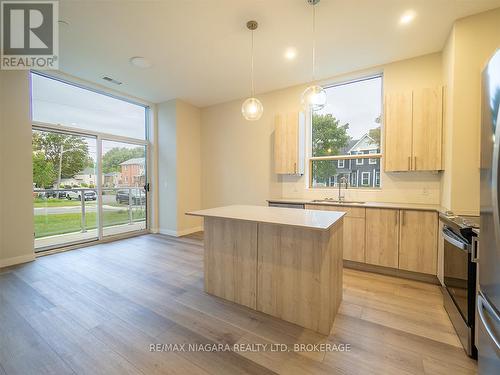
x,y
50,225
54,202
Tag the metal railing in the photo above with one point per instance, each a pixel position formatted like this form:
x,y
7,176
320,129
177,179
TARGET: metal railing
x,y
134,197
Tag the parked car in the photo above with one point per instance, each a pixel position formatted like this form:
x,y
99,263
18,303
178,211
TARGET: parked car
x,y
122,196
89,195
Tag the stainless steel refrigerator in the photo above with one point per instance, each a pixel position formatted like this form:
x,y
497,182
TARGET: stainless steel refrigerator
x,y
488,298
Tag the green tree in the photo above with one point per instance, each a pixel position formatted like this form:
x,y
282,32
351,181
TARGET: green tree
x,y
375,135
113,158
44,174
375,132
74,151
328,138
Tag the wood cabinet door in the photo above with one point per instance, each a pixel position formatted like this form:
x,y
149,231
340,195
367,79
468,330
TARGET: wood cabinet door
x,y
398,132
354,230
286,143
382,237
427,129
418,241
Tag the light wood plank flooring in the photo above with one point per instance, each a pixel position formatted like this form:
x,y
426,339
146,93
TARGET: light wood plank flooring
x,y
98,309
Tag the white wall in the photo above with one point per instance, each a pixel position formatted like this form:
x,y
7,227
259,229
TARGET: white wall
x,y
16,180
237,155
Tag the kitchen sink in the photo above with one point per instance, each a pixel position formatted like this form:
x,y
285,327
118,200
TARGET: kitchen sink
x,y
336,201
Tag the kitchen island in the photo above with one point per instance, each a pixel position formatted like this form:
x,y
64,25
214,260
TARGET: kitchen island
x,y
281,261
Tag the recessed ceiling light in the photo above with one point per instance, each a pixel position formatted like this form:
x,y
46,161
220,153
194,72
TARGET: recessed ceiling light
x,y
290,53
140,62
407,17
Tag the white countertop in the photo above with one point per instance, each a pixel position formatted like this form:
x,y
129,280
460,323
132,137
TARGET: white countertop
x,y
408,206
312,219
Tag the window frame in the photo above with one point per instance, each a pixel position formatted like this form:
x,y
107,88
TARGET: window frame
x,y
350,158
363,174
372,161
343,164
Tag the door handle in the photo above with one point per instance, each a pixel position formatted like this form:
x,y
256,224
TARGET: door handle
x,y
474,250
483,304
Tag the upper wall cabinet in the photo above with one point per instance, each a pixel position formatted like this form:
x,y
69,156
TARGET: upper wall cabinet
x,y
289,143
413,130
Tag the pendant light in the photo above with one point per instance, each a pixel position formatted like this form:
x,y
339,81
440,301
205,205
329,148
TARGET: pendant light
x,y
252,108
314,97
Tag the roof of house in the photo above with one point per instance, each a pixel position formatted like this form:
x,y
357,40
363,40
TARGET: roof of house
x,y
357,142
88,170
134,161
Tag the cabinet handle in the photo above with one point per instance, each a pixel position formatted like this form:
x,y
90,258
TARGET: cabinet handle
x,y
397,217
409,163
295,167
403,213
415,163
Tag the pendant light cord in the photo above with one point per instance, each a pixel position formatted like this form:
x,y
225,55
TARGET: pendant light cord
x,y
314,43
251,69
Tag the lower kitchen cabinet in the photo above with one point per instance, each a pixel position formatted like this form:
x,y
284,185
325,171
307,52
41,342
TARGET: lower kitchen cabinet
x,y
382,237
418,241
354,230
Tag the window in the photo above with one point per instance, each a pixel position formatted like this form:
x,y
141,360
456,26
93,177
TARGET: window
x,y
57,102
77,196
377,179
365,178
360,161
349,125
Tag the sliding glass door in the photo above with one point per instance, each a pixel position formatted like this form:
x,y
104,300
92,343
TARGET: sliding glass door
x,y
64,188
123,187
90,153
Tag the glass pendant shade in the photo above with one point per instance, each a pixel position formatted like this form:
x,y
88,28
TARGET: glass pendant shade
x,y
314,98
252,109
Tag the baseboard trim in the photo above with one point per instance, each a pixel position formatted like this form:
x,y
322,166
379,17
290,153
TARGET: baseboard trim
x,y
16,260
431,279
179,233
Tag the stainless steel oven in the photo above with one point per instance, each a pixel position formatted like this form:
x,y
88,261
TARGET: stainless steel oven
x,y
460,282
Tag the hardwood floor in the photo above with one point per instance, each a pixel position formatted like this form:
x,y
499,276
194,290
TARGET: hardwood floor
x,y
97,310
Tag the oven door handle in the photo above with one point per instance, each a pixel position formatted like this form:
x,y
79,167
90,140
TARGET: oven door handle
x,y
482,306
454,241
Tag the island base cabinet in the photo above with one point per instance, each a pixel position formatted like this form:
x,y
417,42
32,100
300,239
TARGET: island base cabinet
x,y
382,234
354,230
299,276
231,260
418,241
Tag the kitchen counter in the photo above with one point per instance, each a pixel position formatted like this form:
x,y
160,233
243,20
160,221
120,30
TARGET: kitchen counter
x,y
281,261
408,206
322,220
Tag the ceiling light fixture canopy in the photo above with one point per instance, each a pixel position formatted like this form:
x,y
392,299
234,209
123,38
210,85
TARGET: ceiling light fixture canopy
x,y
314,97
252,108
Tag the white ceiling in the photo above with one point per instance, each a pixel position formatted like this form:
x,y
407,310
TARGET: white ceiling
x,y
200,49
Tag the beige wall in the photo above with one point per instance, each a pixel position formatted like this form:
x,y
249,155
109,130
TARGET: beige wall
x,y
471,43
189,171
179,162
16,180
237,155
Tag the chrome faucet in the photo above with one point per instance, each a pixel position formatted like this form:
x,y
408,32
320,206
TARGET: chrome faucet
x,y
342,180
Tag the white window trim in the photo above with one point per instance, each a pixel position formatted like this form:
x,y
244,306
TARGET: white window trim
x,y
308,137
343,163
360,161
363,175
372,161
